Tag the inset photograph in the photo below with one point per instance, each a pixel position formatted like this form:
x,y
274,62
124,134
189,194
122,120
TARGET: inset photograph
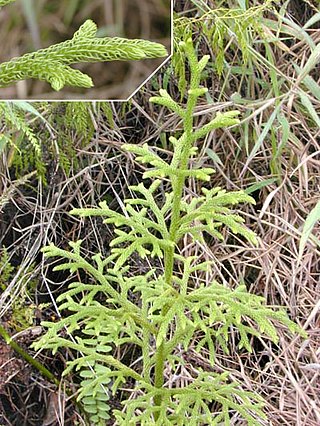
x,y
81,49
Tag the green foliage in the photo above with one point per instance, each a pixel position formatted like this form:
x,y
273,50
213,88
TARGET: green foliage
x,y
22,312
312,218
52,64
75,123
19,138
220,26
6,269
174,311
12,114
190,405
27,131
94,392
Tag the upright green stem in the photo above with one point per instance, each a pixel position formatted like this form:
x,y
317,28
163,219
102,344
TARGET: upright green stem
x,y
177,187
15,346
36,364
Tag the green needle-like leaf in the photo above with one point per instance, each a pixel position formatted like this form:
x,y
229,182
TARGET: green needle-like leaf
x,y
53,63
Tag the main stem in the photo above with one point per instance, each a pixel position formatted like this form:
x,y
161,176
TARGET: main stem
x,y
15,346
178,184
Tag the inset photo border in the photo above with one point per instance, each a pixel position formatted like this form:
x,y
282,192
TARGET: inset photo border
x,y
82,50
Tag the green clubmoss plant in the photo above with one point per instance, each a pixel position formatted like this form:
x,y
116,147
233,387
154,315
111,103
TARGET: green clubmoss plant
x,y
20,146
26,141
175,312
52,64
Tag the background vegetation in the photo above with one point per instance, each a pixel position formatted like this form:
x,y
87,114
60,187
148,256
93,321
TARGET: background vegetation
x,y
55,157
